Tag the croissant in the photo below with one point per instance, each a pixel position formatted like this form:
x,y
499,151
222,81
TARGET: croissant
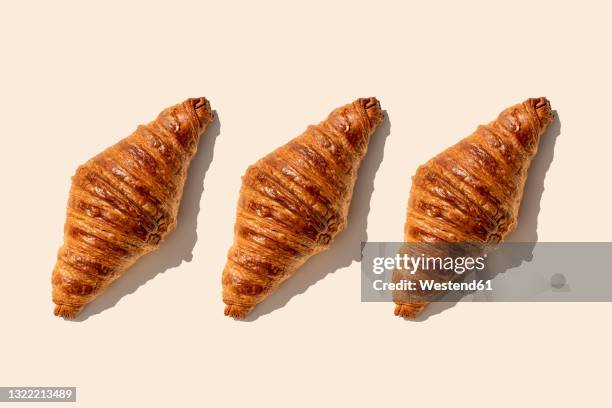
x,y
123,202
294,202
471,192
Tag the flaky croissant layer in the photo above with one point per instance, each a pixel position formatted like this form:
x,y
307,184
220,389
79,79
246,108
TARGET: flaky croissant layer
x,y
294,202
123,202
471,192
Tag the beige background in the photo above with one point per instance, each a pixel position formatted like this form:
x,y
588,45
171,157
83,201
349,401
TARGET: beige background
x,y
76,77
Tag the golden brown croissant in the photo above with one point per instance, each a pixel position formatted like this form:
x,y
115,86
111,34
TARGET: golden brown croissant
x,y
123,202
294,202
471,192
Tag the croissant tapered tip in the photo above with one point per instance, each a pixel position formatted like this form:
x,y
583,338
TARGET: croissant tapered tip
x,y
543,109
67,311
409,310
373,109
202,108
371,102
540,102
236,311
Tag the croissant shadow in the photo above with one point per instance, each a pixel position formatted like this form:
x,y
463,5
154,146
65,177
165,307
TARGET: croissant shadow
x,y
527,229
347,246
179,244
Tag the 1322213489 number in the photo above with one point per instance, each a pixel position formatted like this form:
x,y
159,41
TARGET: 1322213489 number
x,y
40,393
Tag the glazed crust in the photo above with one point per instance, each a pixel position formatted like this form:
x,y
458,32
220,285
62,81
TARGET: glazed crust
x,y
471,192
294,202
123,202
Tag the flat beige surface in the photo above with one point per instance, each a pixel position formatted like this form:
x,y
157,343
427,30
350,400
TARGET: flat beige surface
x,y
76,77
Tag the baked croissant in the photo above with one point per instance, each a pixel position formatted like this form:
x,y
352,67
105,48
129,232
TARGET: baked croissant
x,y
123,202
471,192
294,202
